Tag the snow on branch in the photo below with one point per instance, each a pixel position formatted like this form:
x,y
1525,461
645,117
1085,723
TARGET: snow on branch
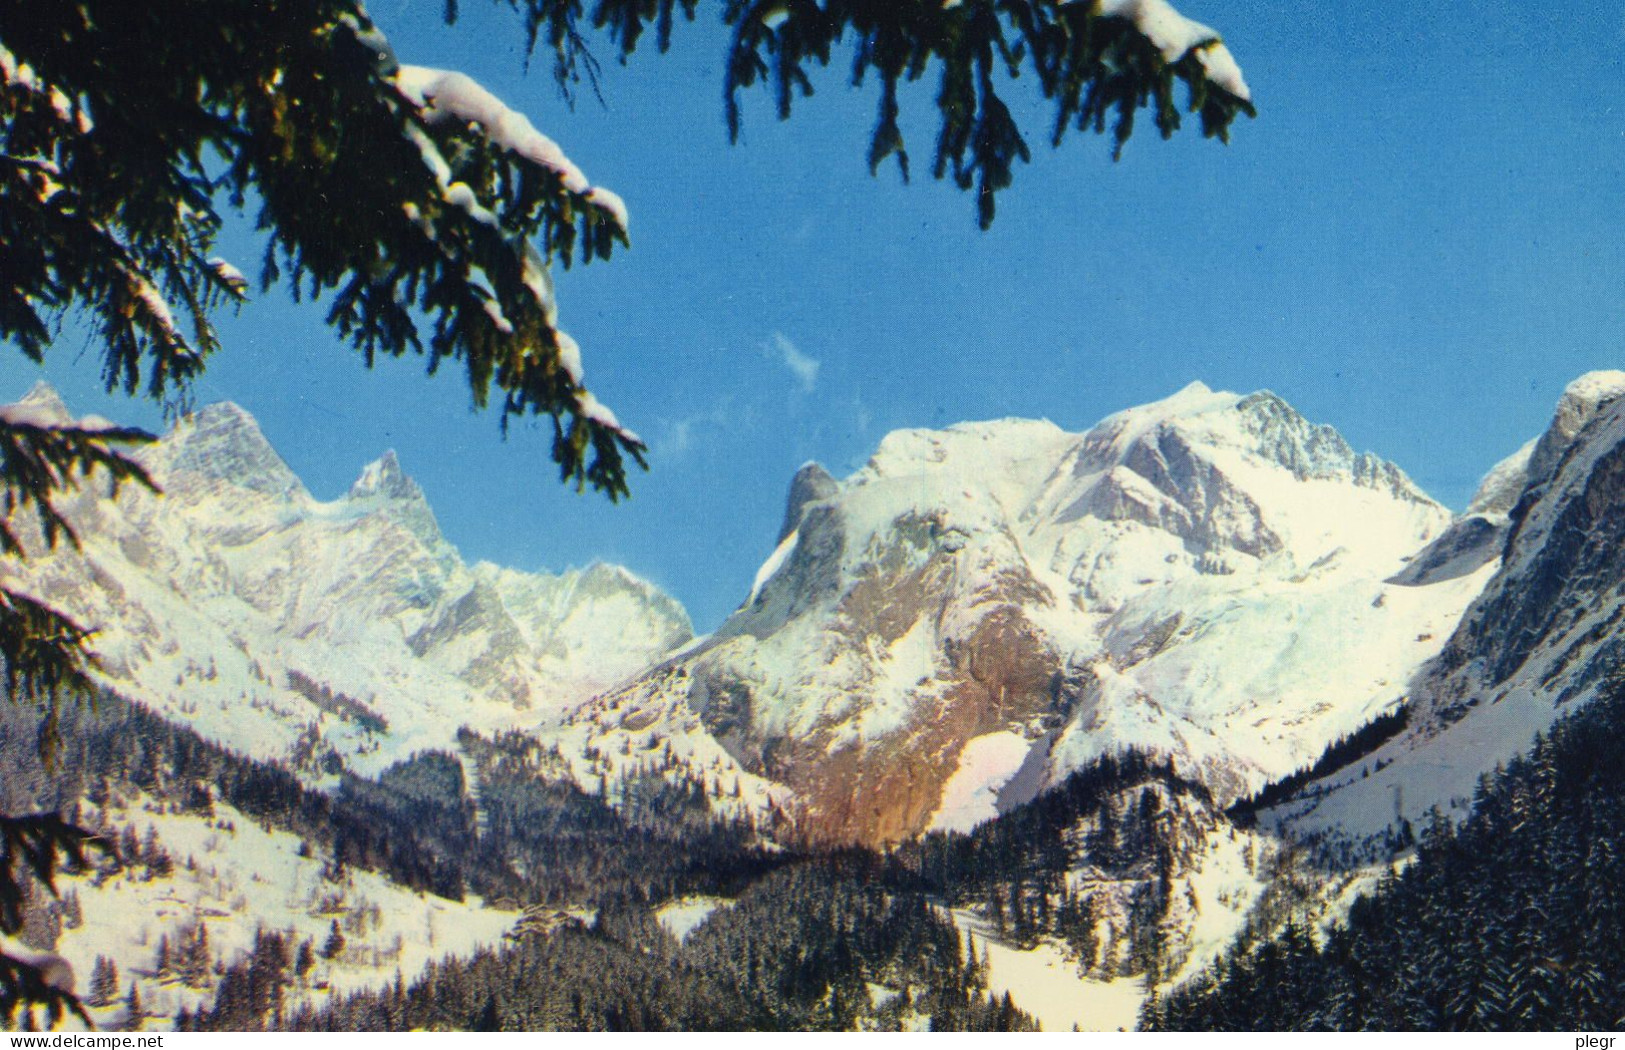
x,y
446,94
1173,34
450,98
23,75
443,94
1100,62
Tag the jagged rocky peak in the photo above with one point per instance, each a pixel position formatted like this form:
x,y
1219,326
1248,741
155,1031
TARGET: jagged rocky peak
x,y
1544,634
42,406
1498,493
384,477
1280,433
211,601
385,488
1577,407
1148,438
935,626
224,443
542,600
601,579
43,401
1478,536
811,484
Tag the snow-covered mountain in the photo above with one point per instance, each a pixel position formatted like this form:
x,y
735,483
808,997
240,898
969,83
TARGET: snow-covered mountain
x,y
976,613
972,617
981,610
322,633
1540,640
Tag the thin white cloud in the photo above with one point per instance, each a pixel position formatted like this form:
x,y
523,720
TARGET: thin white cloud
x,y
681,437
804,368
862,418
695,431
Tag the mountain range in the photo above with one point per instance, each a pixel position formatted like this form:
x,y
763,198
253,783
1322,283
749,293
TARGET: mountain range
x,y
1307,647
972,616
343,634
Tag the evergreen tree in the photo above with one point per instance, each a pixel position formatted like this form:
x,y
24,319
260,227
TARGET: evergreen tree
x,y
334,947
134,1012
196,957
103,982
31,851
1508,922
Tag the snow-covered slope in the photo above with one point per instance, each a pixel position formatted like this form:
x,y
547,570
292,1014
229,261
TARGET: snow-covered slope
x,y
323,632
983,609
1544,634
231,876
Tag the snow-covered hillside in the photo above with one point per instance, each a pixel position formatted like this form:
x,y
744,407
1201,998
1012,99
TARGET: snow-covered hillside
x,y
227,877
325,633
981,610
1540,640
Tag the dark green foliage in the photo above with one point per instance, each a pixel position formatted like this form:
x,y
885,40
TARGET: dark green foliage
x,y
546,841
333,947
43,652
126,129
1014,868
804,941
797,950
251,993
24,985
136,123
1513,921
660,841
1344,751
1094,70
346,708
571,980
134,1012
103,982
33,848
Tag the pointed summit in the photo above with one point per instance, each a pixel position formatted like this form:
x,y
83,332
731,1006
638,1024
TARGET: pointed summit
x,y
384,477
223,443
44,397
384,488
811,484
42,406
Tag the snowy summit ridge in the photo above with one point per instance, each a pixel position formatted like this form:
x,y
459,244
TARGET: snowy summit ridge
x,y
346,633
980,610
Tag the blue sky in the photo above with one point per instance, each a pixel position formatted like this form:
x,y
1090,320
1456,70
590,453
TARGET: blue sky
x,y
1415,241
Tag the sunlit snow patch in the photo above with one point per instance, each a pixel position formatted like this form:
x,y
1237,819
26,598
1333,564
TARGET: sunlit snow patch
x,y
1043,982
683,916
986,765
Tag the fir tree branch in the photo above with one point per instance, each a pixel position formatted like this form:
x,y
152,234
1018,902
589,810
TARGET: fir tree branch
x,y
1096,62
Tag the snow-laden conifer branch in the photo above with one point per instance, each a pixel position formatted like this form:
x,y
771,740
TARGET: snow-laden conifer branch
x,y
456,102
493,205
1097,61
34,847
425,211
43,456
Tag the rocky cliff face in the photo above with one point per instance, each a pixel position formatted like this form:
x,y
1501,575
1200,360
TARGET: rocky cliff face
x,y
345,632
1543,635
981,610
